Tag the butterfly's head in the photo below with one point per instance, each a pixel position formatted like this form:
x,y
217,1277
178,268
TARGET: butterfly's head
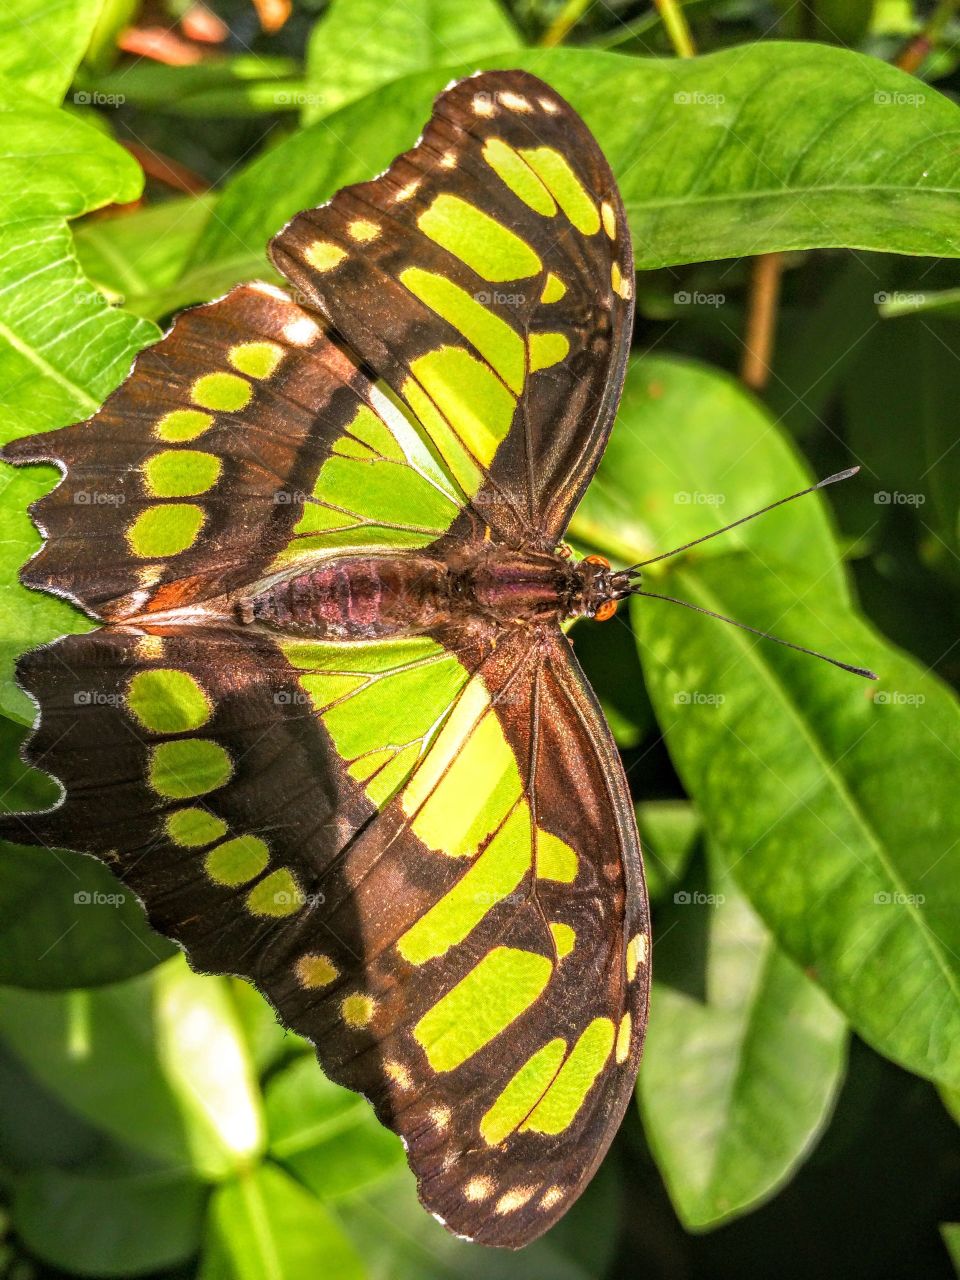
x,y
602,587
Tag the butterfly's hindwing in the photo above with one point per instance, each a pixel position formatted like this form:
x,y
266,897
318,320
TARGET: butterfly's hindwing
x,y
487,276
379,835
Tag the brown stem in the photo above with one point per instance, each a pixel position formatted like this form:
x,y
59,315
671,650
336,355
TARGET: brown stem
x,y
166,170
914,53
761,320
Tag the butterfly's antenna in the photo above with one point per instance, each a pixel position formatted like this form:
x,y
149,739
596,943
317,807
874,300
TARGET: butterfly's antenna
x,y
822,484
844,666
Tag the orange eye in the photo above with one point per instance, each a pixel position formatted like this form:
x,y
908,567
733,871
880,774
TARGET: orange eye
x,y
602,561
606,611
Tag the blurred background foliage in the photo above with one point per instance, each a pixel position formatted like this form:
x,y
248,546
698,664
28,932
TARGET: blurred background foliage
x,y
791,172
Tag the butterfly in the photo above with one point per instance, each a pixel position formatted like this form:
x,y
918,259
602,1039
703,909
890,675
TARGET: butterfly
x,y
330,730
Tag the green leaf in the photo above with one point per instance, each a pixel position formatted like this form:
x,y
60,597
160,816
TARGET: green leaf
x,y
202,1052
268,1043
397,1238
158,1063
950,1231
398,40
766,147
42,44
195,88
67,922
62,348
324,1134
906,302
797,769
951,1100
101,1226
736,1088
265,1226
669,831
132,257
673,471
30,617
54,165
844,862
903,429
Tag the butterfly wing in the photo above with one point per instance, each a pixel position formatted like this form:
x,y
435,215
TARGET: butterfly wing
x,y
487,276
247,438
380,836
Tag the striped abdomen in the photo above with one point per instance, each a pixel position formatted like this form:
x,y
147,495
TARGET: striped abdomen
x,y
356,597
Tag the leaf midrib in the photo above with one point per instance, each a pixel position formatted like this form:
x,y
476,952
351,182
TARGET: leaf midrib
x,y
765,193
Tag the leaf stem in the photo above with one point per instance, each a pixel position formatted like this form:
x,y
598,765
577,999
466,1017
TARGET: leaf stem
x,y
677,28
761,320
564,22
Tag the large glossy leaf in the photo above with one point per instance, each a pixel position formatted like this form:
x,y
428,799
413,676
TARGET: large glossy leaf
x,y
674,471
832,800
771,146
67,922
736,1087
62,348
157,1063
395,40
325,1135
239,85
131,258
103,1225
203,1054
265,1226
41,44
909,441
669,833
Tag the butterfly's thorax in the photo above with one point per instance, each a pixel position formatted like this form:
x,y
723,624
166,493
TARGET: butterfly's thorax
x,y
361,597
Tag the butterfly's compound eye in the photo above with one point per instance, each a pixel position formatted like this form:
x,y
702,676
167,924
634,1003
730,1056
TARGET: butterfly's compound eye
x,y
606,611
602,561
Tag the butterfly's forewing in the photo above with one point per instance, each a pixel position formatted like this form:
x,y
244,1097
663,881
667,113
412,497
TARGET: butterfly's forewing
x,y
487,276
245,439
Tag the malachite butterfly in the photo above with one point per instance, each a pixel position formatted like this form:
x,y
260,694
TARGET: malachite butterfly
x,y
330,730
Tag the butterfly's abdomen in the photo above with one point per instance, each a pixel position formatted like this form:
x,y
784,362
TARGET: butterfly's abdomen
x,y
355,598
